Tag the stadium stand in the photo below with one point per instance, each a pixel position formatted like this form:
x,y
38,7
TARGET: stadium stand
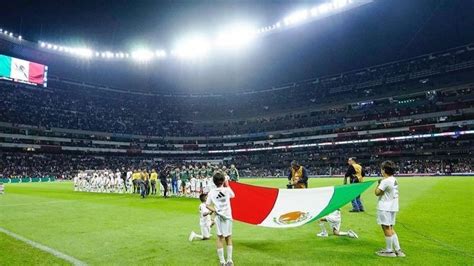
x,y
373,113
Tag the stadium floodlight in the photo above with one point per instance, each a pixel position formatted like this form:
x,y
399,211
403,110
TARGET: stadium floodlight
x,y
55,47
296,17
142,55
102,55
11,34
237,36
83,52
20,37
160,53
97,54
324,8
192,47
109,54
61,48
49,46
6,32
340,3
42,44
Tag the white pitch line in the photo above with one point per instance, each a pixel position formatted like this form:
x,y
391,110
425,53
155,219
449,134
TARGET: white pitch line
x,y
32,203
49,250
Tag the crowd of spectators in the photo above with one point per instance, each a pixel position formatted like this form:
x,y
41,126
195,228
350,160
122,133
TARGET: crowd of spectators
x,y
67,165
391,95
323,101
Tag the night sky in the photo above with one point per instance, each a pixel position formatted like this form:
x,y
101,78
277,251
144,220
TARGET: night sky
x,y
377,33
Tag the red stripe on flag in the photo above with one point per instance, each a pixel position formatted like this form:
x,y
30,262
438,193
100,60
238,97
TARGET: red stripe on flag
x,y
252,204
36,73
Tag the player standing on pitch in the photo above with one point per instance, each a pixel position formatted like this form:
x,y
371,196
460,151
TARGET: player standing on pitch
x,y
387,208
234,173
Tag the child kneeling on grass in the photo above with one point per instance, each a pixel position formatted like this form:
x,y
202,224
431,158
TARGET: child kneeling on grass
x,y
205,221
334,219
218,201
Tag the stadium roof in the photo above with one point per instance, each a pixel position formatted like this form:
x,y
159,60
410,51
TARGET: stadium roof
x,y
377,33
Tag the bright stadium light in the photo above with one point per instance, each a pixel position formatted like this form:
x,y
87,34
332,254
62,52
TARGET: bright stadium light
x,y
42,44
11,34
324,8
55,47
296,17
97,54
20,37
142,55
340,3
193,47
236,36
83,52
160,53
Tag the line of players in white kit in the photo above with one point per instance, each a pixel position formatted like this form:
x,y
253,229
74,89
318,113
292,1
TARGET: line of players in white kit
x,y
104,181
188,181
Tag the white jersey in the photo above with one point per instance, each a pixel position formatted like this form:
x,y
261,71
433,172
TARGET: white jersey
x,y
388,201
334,218
129,175
204,215
220,198
193,183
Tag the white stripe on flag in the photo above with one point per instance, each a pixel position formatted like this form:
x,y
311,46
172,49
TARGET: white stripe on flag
x,y
20,69
307,202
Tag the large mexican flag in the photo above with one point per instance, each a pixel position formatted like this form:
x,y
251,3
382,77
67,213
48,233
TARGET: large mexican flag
x,y
281,208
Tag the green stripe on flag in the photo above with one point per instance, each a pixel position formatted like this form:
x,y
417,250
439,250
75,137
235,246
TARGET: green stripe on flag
x,y
343,195
5,66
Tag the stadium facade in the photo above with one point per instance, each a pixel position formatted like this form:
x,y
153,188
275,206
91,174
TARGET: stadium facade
x,y
418,112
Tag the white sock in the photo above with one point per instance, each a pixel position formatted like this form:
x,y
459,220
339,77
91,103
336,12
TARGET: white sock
x,y
323,228
388,243
220,254
342,233
396,244
229,253
198,236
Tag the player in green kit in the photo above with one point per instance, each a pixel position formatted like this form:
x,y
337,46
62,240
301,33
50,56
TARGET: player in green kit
x,y
234,173
209,170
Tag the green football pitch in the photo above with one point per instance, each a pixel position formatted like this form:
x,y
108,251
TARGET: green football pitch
x,y
435,227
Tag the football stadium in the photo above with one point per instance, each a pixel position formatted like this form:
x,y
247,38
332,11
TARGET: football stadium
x,y
319,132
